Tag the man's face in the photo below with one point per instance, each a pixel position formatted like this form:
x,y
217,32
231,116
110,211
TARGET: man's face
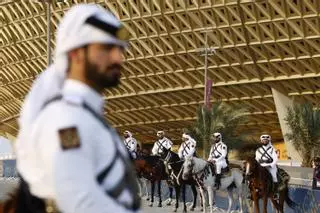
x,y
160,135
264,141
214,139
103,65
126,135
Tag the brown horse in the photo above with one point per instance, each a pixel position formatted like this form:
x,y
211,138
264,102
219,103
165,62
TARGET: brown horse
x,y
153,169
9,205
261,187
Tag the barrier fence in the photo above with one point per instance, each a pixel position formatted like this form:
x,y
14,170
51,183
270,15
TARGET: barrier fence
x,y
300,189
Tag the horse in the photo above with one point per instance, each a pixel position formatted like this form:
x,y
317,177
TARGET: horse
x,y
204,173
9,205
174,168
153,169
261,187
143,182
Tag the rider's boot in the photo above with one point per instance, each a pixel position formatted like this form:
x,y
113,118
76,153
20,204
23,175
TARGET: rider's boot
x,y
218,181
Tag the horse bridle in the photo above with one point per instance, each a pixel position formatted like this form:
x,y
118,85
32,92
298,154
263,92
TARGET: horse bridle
x,y
172,172
167,158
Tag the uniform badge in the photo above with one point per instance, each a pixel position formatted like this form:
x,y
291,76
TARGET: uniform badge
x,y
69,138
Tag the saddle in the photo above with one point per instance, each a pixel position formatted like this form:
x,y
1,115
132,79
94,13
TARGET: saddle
x,y
225,172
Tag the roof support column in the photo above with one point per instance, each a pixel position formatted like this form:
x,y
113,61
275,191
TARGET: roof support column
x,y
48,4
282,102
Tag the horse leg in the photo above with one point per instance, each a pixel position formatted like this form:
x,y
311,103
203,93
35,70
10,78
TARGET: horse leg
x,y
240,194
147,190
230,200
140,187
170,196
256,202
177,189
281,200
147,182
184,198
202,200
152,192
210,195
195,193
265,203
275,205
159,193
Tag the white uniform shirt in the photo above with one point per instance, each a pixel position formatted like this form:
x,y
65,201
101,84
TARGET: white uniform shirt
x,y
266,155
187,148
69,176
131,144
218,152
159,145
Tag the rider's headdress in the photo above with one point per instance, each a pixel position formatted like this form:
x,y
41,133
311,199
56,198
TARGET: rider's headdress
x,y
127,133
185,135
217,135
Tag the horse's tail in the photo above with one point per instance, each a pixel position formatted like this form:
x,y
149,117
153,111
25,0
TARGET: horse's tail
x,y
293,205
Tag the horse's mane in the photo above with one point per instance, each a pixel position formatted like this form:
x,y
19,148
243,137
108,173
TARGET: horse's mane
x,y
152,160
174,156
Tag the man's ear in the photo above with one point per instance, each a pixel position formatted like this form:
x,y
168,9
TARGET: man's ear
x,y
76,55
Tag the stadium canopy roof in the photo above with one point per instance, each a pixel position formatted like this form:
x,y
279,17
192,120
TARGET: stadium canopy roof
x,y
259,45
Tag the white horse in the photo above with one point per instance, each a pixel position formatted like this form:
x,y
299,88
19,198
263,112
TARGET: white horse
x,y
203,173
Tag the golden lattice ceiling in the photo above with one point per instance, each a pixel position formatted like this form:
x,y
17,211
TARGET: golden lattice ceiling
x,y
259,45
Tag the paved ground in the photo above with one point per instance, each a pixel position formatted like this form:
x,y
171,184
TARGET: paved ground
x,y
165,208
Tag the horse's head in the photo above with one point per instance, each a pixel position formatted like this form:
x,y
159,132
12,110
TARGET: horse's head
x,y
250,166
187,168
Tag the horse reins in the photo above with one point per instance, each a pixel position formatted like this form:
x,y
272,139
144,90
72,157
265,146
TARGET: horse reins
x,y
172,172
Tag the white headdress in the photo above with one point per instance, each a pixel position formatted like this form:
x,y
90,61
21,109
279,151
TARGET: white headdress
x,y
185,135
128,133
218,135
82,24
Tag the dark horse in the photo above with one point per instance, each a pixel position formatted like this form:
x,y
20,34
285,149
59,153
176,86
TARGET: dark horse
x,y
153,169
261,187
174,170
9,205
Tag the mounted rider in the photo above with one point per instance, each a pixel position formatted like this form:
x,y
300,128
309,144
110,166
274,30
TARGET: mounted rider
x,y
162,145
217,156
267,157
316,173
188,147
131,143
